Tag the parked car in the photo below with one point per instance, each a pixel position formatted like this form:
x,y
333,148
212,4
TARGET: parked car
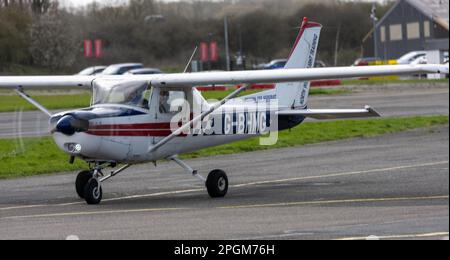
x,y
420,60
276,64
320,64
92,71
410,57
119,69
144,71
281,63
365,61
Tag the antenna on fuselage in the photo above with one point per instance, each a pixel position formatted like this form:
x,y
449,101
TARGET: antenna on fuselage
x,y
190,60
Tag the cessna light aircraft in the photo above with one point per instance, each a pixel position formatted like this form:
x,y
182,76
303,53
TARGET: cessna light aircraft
x,y
144,118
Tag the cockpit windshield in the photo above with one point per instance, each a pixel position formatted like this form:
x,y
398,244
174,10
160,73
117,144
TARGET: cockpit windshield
x,y
134,93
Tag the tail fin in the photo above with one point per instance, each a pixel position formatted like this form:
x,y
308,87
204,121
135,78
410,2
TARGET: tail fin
x,y
303,55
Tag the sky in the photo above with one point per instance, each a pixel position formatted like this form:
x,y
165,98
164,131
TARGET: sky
x,y
80,3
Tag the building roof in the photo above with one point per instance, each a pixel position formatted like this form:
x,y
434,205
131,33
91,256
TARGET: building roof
x,y
436,10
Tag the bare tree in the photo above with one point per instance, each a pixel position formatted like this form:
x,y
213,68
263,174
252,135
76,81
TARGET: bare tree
x,y
53,42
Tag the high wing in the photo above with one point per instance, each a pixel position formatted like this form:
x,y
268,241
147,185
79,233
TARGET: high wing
x,y
190,80
46,81
332,113
293,75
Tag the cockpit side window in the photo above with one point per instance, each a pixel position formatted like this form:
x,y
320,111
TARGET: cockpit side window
x,y
171,102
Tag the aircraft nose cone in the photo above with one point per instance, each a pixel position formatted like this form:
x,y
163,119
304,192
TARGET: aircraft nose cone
x,y
69,125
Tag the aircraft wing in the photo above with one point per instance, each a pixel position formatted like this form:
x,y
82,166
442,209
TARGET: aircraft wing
x,y
332,113
46,81
239,77
293,75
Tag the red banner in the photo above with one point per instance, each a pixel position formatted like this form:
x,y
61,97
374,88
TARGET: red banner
x,y
204,55
88,52
98,48
214,51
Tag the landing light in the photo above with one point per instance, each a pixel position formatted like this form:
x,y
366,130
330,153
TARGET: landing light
x,y
74,148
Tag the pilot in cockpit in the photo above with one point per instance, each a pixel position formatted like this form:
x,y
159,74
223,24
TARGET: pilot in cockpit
x,y
164,106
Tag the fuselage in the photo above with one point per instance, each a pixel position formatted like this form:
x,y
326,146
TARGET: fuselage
x,y
124,134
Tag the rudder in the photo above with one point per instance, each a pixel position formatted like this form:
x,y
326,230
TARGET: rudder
x,y
303,55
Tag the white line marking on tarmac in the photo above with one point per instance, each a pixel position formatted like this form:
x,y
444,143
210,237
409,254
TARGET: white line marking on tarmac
x,y
24,207
343,174
90,213
326,202
301,203
381,170
425,235
277,236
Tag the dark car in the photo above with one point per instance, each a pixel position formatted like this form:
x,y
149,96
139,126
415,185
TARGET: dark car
x,y
276,64
119,69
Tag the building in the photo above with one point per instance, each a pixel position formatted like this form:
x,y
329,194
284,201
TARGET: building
x,y
410,25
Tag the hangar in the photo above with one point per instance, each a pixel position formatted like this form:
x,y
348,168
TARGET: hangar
x,y
410,25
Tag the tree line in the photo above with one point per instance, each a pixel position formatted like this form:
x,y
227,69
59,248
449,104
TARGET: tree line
x,y
42,34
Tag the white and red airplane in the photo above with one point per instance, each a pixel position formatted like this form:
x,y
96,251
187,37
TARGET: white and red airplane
x,y
146,118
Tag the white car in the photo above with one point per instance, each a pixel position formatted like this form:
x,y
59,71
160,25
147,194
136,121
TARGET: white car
x,y
92,70
410,57
120,69
420,60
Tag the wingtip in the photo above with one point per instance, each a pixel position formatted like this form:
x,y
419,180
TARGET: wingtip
x,y
372,111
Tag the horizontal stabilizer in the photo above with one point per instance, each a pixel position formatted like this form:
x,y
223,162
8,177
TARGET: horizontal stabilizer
x,y
332,113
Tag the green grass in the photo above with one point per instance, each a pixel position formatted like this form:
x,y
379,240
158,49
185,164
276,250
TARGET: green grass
x,y
317,132
356,82
10,103
40,155
33,156
56,100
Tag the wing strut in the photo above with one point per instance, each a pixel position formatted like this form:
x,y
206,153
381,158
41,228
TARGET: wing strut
x,y
197,119
25,96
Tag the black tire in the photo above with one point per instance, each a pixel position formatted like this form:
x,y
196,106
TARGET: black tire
x,y
82,179
93,192
217,184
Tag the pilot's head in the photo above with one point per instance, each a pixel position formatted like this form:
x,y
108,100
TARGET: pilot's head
x,y
163,96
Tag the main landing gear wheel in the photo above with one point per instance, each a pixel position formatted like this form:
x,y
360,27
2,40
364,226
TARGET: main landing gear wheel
x,y
82,179
93,192
217,184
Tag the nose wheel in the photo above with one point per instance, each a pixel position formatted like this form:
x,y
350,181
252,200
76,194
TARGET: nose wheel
x,y
93,192
88,187
81,182
88,183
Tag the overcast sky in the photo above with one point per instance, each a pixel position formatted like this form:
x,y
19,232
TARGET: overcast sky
x,y
78,3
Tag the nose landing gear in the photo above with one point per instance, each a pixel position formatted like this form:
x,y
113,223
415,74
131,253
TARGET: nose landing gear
x,y
88,183
93,192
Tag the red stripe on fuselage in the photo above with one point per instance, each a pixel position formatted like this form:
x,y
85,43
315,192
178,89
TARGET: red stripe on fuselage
x,y
152,126
132,130
134,133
